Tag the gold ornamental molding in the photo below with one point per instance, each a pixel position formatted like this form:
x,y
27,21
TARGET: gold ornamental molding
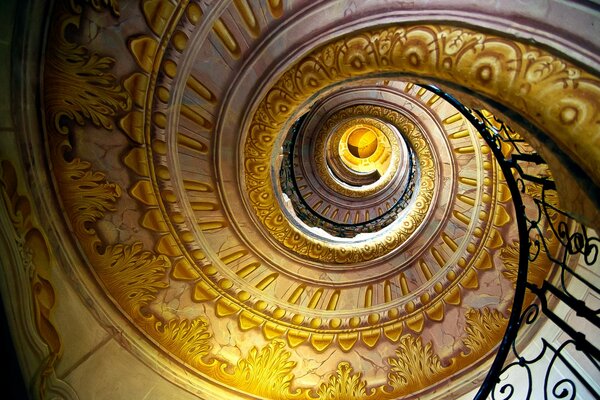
x,y
504,70
37,258
211,285
559,97
83,97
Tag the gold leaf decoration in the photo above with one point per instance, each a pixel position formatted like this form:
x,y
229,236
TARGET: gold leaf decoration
x,y
536,271
37,259
87,194
410,131
79,84
343,385
401,49
99,5
133,276
189,340
550,197
485,328
266,373
510,256
415,366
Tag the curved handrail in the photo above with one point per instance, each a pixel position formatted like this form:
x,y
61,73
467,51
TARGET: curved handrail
x,y
575,239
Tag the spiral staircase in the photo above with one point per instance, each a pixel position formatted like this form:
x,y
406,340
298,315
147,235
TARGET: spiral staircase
x,y
301,199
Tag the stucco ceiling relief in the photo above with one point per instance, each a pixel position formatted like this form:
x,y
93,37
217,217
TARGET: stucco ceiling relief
x,y
166,160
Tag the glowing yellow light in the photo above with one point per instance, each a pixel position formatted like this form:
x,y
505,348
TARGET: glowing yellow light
x,y
364,148
362,142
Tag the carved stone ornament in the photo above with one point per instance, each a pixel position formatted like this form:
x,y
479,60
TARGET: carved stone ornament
x,y
165,157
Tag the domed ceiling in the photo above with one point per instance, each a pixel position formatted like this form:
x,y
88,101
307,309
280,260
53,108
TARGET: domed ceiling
x,y
271,200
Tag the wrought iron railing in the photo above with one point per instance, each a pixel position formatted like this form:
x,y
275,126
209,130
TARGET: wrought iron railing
x,y
529,365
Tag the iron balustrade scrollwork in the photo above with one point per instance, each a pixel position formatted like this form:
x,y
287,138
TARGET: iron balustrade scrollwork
x,y
540,367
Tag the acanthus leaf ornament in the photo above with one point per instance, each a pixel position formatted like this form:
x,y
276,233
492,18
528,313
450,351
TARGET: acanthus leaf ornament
x,y
415,366
484,328
344,385
39,261
79,84
215,280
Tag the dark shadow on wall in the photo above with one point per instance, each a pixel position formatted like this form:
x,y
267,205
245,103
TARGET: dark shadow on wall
x,y
12,385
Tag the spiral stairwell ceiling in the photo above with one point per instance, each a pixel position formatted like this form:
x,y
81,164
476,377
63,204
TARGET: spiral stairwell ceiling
x,y
260,199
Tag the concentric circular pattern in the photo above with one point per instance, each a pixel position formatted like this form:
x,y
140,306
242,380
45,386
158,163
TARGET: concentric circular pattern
x,y
329,162
313,246
218,267
340,193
